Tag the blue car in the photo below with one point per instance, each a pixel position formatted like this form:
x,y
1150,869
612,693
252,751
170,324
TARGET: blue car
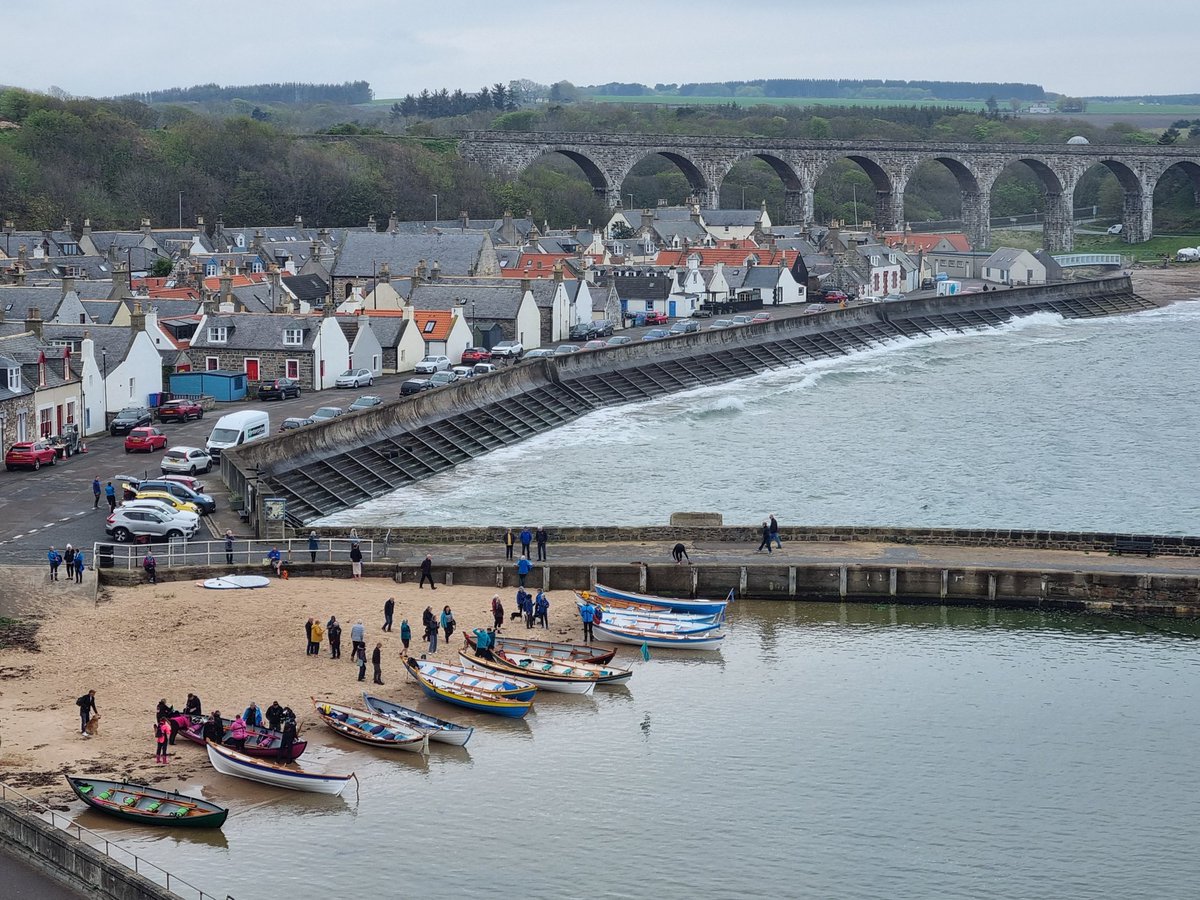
x,y
656,334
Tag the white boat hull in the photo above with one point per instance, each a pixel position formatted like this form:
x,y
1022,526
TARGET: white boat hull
x,y
705,641
548,684
230,762
703,606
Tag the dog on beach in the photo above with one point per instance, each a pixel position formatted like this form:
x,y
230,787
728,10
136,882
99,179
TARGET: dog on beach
x,y
93,725
515,616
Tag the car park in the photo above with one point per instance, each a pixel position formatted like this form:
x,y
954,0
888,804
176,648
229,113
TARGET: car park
x,y
355,378
142,493
464,371
145,440
29,455
763,316
510,349
129,418
127,524
414,386
741,320
366,401
180,411
432,364
203,502
717,324
291,423
483,368
325,413
595,345
540,353
618,340
189,460
476,355
656,334
437,379
685,326
566,349
279,389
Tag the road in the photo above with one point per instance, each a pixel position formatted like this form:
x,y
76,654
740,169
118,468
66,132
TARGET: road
x,y
23,882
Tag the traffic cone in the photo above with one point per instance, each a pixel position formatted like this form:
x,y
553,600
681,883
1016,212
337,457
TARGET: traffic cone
x,y
83,448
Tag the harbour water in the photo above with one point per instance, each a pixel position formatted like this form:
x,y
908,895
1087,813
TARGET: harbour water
x,y
826,751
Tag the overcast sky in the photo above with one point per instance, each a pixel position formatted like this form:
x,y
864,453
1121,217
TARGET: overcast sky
x,y
1078,47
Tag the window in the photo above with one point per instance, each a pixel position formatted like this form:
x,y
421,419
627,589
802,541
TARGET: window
x,y
22,426
212,363
218,334
293,337
14,379
429,326
132,388
292,369
70,412
46,422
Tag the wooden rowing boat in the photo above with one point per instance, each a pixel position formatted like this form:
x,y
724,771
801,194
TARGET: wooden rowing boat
x,y
642,611
150,806
465,696
553,649
653,625
706,640
439,730
667,603
370,728
238,765
262,743
479,679
539,669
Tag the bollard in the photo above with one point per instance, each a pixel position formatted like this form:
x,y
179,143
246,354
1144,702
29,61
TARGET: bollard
x,y
843,578
449,576
891,582
791,581
945,589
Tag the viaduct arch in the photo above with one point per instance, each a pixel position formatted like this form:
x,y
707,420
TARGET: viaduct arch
x,y
606,159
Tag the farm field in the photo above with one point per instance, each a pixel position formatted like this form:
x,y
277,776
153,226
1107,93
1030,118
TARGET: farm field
x,y
1152,250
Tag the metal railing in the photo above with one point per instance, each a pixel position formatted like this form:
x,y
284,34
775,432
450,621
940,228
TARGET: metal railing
x,y
212,553
111,849
1067,260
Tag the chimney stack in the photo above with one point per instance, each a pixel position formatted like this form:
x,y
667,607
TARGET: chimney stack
x,y
145,225
68,284
226,289
464,221
137,318
526,285
371,224
299,222
647,219
68,228
436,271
558,271
33,321
422,272
393,223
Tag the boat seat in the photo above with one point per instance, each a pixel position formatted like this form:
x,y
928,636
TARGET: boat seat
x,y
153,806
180,813
106,795
85,789
130,801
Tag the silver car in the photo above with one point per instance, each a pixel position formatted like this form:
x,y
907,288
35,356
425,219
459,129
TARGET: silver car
x,y
353,378
186,461
126,524
432,364
437,379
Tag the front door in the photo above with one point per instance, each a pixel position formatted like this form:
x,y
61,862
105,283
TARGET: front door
x,y
252,370
671,309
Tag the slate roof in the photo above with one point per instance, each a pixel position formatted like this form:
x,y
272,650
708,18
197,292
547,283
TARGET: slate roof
x,y
363,253
494,300
1003,258
741,218
258,331
259,298
121,241
311,289
116,339
93,267
15,300
170,308
388,329
761,277
93,289
102,312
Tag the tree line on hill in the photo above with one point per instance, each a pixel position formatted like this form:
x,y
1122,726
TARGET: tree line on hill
x,y
831,88
347,93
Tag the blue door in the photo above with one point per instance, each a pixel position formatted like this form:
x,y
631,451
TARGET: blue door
x,y
671,308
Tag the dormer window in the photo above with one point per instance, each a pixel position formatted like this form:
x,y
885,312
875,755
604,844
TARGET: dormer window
x,y
218,334
293,337
430,325
14,379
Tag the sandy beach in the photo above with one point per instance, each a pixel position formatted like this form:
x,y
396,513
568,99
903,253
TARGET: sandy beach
x,y
141,644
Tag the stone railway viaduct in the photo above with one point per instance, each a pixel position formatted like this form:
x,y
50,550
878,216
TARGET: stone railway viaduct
x,y
607,158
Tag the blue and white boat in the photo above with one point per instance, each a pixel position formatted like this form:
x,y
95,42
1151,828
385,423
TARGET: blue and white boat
x,y
460,693
229,762
667,603
705,640
439,729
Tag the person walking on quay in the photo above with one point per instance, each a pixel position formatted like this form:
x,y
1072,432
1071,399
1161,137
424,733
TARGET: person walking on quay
x,y
509,540
766,538
308,637
55,560
358,638
427,572
377,663
334,630
389,607
541,538
679,552
541,608
587,613
275,558
96,491
87,706
110,494
162,734
79,567
313,544
448,623
526,540
150,564
318,634
405,634
774,532
356,561
228,547
274,715
497,612
524,566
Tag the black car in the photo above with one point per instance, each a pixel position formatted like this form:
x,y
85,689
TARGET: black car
x,y
279,389
602,328
415,386
129,418
581,332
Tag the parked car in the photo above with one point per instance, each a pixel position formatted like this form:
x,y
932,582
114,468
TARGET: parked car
x,y
414,386
433,364
180,411
129,418
186,459
595,345
581,332
279,389
834,296
1115,229
325,413
163,507
203,502
655,318
142,493
291,423
366,401
716,324
476,355
127,524
145,440
483,368
702,313
355,378
510,349
685,326
816,308
656,334
186,480
602,328
464,371
763,316
566,349
30,454
437,379
742,320
927,284
619,339
539,353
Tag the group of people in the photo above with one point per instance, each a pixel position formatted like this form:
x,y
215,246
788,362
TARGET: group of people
x,y
533,608
71,558
770,535
250,723
109,492
314,633
527,538
432,622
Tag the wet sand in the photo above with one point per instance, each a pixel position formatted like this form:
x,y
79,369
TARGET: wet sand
x,y
141,644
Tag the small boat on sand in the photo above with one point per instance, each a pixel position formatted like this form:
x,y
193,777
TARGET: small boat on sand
x,y
533,668
592,653
464,695
439,730
262,743
705,640
370,728
150,806
561,677
229,762
667,603
473,677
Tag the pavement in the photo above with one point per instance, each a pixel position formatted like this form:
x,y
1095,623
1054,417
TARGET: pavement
x,y
24,882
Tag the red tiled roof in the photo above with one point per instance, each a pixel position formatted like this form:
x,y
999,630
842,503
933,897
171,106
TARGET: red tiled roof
x,y
926,241
213,282
711,255
442,319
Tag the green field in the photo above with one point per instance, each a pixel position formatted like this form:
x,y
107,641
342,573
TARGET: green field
x,y
673,100
1152,250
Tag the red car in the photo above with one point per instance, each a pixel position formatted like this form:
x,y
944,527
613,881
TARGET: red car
x,y
834,296
476,355
180,411
33,454
656,318
145,439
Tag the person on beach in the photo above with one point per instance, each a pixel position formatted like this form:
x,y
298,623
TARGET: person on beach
x,y
110,494
362,662
377,663
358,638
526,540
276,560
431,629
287,740
318,634
253,716
405,634
541,537
69,560
483,643
587,613
680,553
766,538
448,623
427,572
524,566
192,706
87,706
162,735
334,630
214,729
313,544
497,611
288,714
509,540
274,715
79,567
774,532
525,606
356,561
96,491
389,607
541,608
55,560
308,637
238,734
228,547
150,564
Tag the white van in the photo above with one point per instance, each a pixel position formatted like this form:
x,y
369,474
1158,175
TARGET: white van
x,y
236,429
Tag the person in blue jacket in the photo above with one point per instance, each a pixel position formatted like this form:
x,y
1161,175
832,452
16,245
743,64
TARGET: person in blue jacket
x,y
526,540
524,566
252,715
541,608
587,613
483,643
275,557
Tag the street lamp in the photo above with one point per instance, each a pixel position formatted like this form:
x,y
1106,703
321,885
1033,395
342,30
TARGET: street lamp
x,y
743,198
104,383
435,209
630,196
181,210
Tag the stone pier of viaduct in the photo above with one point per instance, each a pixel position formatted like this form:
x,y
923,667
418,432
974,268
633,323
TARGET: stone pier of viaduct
x,y
607,158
